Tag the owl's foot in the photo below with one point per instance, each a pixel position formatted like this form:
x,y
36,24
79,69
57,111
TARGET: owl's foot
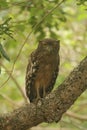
x,y
38,99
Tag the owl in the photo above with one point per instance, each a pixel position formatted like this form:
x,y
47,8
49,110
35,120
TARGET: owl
x,y
42,69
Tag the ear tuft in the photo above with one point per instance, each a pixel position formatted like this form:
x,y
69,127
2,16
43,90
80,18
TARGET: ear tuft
x,y
40,41
58,41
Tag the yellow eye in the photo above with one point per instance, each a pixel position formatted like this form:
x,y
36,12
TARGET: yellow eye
x,y
44,43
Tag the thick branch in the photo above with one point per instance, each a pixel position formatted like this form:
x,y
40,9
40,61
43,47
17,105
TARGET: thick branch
x,y
52,107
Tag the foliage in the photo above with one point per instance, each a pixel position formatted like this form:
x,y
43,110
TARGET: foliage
x,y
4,30
29,21
3,53
82,2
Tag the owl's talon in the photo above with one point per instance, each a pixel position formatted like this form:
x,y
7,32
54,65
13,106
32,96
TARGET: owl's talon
x,y
38,101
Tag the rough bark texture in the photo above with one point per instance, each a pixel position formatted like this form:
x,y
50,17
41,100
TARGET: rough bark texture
x,y
52,107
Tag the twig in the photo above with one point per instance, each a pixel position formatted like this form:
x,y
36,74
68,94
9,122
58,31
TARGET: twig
x,y
15,81
78,125
74,115
9,100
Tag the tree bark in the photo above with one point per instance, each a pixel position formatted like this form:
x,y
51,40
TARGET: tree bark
x,y
52,107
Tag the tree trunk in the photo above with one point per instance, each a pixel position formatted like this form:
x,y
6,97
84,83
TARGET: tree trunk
x,y
52,107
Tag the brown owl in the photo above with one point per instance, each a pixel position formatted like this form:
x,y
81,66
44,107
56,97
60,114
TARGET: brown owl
x,y
42,69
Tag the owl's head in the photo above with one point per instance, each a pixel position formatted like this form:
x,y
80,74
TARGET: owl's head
x,y
49,45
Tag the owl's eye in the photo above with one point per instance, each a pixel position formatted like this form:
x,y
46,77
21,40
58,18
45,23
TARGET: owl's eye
x,y
44,43
58,41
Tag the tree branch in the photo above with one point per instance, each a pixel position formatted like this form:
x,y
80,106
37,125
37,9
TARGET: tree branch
x,y
52,107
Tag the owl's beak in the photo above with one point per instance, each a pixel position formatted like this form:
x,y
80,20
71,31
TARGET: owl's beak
x,y
49,49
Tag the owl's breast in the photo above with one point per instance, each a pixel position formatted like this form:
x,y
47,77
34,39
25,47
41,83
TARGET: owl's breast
x,y
44,76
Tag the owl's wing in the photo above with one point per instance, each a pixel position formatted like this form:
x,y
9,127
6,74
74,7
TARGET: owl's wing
x,y
31,74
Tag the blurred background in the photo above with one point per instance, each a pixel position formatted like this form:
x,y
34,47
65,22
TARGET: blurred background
x,y
22,24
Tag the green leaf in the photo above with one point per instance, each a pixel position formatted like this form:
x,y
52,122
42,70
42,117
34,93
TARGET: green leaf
x,y
3,4
0,66
0,70
3,53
